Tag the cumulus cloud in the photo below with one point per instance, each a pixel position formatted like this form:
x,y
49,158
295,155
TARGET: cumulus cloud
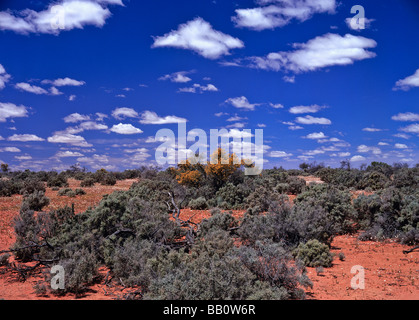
x,y
321,52
366,149
150,117
10,110
4,77
25,138
63,82
407,117
60,16
199,36
408,83
358,158
199,88
400,146
30,88
372,130
67,138
177,77
241,103
10,149
122,113
413,128
126,129
68,154
306,109
76,117
279,154
316,136
278,13
313,120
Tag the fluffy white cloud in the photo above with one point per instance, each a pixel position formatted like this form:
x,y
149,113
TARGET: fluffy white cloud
x,y
241,103
365,149
413,128
358,158
10,110
67,138
125,129
122,113
278,13
68,154
76,117
321,52
59,16
276,105
280,154
372,130
25,138
400,146
177,77
4,77
199,36
306,109
10,149
316,136
408,83
63,82
313,120
408,116
30,88
199,88
150,117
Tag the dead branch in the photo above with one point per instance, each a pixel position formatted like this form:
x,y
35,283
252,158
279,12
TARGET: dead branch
x,y
411,250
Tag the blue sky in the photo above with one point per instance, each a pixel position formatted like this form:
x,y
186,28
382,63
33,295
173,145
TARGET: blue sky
x,y
97,91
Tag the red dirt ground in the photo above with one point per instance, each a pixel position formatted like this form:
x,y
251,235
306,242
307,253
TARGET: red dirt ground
x,y
389,274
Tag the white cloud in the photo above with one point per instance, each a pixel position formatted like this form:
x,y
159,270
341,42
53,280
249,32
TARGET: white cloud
x,y
236,134
321,52
63,82
199,36
413,128
68,154
372,130
358,158
408,116
280,154
67,138
10,149
276,105
382,144
367,23
55,92
306,109
25,138
400,146
23,158
313,120
177,77
241,103
4,77
149,117
316,136
408,83
30,88
10,110
200,88
125,129
122,113
76,117
278,13
73,14
72,97
294,128
365,149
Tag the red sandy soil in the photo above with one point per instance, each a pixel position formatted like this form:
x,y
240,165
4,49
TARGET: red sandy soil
x,y
389,274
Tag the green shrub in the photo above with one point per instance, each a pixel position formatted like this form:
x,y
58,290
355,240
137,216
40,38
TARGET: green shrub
x,y
198,204
87,183
314,254
35,201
